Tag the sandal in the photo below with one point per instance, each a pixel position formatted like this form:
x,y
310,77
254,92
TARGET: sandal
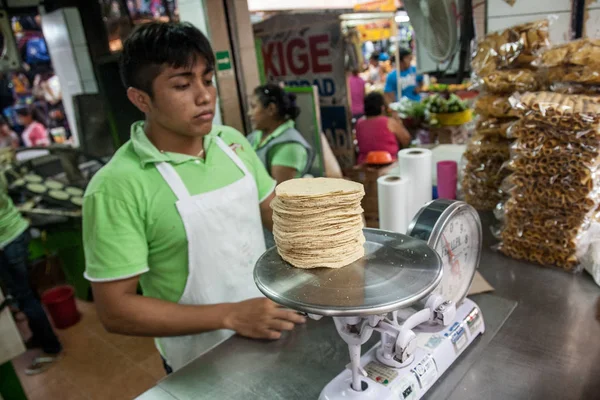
x,y
41,364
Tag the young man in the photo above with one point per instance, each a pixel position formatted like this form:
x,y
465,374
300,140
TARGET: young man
x,y
14,241
410,82
178,209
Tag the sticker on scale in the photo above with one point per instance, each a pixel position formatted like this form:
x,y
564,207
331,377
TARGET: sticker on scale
x,y
459,339
406,387
429,341
380,373
426,372
473,320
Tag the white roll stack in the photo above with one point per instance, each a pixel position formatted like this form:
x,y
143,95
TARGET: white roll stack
x,y
393,193
415,164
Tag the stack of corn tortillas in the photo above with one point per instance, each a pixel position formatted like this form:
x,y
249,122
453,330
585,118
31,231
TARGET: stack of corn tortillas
x,y
317,222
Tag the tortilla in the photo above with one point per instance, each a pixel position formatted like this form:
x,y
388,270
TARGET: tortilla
x,y
285,208
317,187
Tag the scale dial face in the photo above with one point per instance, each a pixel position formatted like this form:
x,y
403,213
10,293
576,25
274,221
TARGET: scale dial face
x,y
453,229
459,245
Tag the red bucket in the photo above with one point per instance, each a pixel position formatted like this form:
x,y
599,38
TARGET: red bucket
x,y
60,303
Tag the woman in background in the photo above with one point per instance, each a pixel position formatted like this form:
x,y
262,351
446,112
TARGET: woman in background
x,y
377,132
357,94
281,148
35,133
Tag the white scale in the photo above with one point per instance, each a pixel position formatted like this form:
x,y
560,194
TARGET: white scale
x,y
410,289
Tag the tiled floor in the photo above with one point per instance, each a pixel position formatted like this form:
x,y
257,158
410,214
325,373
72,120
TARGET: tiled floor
x,y
95,364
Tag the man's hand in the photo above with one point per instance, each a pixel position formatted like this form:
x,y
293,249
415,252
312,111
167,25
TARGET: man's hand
x,y
261,319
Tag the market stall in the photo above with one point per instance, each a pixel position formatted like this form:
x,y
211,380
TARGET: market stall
x,y
47,186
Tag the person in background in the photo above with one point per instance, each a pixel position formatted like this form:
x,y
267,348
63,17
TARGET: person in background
x,y
410,82
357,94
35,133
8,138
373,70
281,148
46,87
14,242
377,132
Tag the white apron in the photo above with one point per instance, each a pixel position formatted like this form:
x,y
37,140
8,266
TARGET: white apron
x,y
224,234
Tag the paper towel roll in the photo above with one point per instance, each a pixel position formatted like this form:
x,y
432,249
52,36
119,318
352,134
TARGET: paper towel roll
x,y
415,164
392,196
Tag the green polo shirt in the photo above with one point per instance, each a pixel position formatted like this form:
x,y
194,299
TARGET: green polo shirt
x,y
131,225
12,224
291,155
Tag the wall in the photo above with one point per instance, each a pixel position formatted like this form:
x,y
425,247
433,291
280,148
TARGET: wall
x,y
71,61
591,26
194,12
501,15
244,54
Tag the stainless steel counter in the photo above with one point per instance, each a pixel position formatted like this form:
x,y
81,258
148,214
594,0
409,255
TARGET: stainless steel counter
x,y
549,347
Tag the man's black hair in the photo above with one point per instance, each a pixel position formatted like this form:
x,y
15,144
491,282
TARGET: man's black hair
x,y
374,57
374,103
152,46
404,53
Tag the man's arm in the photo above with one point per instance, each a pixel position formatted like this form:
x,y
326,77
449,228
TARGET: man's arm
x,y
390,97
123,311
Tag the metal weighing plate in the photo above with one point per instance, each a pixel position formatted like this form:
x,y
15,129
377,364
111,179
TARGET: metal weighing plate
x,y
395,272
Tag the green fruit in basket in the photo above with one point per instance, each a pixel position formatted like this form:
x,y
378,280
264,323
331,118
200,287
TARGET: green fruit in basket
x,y
36,188
33,178
78,201
74,191
59,195
54,185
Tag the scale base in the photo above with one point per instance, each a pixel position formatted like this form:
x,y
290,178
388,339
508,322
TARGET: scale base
x,y
438,348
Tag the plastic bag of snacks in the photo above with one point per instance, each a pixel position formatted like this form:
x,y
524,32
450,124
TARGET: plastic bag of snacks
x,y
555,187
513,47
582,52
508,81
545,236
573,67
494,126
484,171
494,106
